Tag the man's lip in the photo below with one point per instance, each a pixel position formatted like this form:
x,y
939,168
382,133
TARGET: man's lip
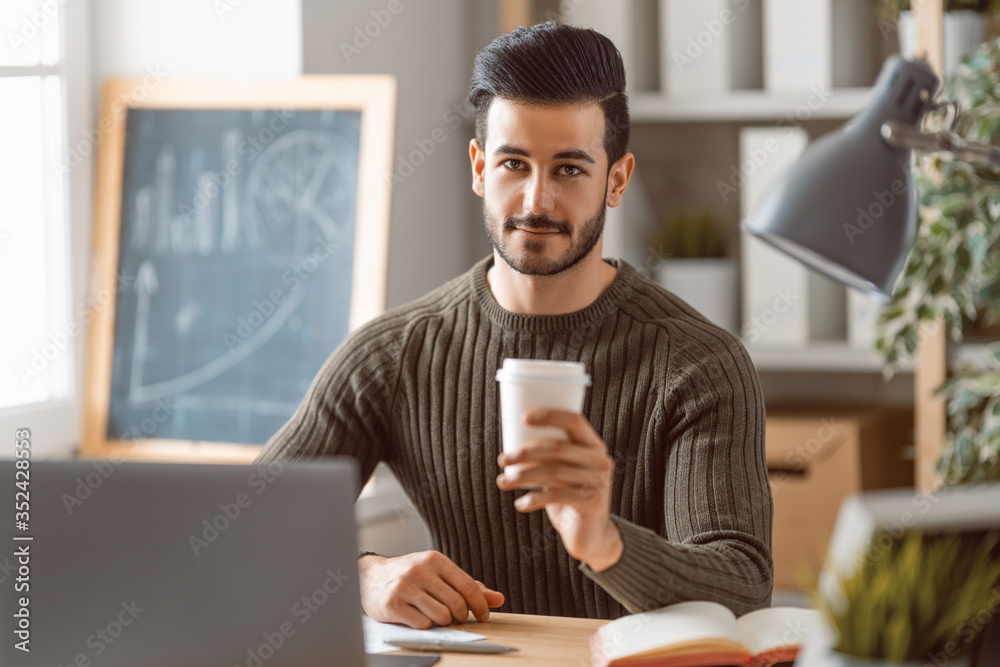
x,y
536,231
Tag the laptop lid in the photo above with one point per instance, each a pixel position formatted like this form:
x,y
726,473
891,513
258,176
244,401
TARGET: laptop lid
x,y
139,564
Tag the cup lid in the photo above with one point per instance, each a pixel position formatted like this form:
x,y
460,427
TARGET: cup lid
x,y
543,370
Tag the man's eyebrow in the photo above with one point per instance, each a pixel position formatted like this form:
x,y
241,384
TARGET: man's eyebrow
x,y
576,154
507,149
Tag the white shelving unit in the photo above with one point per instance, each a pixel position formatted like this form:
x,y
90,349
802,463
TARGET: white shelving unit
x,y
821,357
685,143
746,106
971,353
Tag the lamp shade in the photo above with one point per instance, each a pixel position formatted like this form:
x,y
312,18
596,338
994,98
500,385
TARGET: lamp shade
x,y
847,208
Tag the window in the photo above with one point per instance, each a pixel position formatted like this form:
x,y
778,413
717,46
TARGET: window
x,y
43,84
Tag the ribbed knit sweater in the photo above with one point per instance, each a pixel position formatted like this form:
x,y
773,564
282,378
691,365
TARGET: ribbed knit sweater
x,y
675,398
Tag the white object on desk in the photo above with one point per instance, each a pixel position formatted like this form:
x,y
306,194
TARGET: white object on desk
x,y
376,633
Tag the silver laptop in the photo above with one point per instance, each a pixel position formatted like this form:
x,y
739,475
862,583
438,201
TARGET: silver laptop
x,y
166,565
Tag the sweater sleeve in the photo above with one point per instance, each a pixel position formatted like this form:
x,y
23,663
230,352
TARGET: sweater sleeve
x,y
346,411
717,506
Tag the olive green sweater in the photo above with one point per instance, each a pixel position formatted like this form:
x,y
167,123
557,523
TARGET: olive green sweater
x,y
675,398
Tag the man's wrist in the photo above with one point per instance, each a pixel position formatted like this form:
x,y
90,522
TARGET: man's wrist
x,y
368,560
612,547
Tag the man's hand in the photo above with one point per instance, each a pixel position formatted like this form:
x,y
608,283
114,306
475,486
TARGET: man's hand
x,y
422,589
571,479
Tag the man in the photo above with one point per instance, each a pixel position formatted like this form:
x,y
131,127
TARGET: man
x,y
660,492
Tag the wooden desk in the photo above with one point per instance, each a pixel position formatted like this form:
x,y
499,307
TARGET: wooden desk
x,y
544,641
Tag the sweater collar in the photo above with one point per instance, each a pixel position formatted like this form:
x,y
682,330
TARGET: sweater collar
x,y
608,302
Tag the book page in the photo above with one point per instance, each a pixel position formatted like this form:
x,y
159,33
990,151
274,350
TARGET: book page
x,y
679,625
778,627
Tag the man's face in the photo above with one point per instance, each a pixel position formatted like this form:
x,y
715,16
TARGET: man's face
x,y
543,178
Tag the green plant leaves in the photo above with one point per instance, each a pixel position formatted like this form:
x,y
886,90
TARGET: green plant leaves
x,y
953,271
914,593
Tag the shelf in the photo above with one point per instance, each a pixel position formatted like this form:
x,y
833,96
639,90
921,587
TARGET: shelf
x,y
748,105
976,354
835,357
839,357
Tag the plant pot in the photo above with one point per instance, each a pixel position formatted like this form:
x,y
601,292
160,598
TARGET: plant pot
x,y
708,284
964,29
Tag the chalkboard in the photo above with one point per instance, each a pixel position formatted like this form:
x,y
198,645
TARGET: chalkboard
x,y
240,260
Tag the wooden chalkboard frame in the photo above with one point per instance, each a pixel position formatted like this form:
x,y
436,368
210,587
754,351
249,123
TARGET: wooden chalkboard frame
x,y
373,95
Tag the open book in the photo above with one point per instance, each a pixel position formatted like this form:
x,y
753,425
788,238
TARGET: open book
x,y
703,634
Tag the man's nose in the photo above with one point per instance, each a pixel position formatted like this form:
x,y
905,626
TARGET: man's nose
x,y
540,194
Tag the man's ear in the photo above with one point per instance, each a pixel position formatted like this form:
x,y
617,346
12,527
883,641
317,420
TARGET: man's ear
x,y
478,158
618,178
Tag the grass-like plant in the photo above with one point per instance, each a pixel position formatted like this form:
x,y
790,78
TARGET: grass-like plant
x,y
691,234
913,595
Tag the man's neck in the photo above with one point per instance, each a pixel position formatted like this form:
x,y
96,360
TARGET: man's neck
x,y
566,292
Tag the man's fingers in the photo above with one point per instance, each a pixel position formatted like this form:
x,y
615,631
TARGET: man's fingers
x,y
557,451
554,477
422,589
433,608
575,424
455,590
536,500
409,616
447,589
493,598
469,589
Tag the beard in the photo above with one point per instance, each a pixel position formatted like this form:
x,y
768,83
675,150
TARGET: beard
x,y
530,259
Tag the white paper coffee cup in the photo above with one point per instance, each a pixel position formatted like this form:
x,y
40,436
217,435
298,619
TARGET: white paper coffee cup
x,y
528,384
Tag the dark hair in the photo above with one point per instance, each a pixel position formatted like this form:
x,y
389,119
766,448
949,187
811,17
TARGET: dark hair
x,y
551,63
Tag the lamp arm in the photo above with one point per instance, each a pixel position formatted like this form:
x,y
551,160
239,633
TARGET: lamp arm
x,y
901,135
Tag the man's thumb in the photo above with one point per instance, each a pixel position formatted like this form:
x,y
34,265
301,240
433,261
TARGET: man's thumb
x,y
492,596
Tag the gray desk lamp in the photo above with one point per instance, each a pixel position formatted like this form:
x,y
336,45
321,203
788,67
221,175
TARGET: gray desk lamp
x,y
848,208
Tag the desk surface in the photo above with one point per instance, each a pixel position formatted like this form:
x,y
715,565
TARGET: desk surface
x,y
545,641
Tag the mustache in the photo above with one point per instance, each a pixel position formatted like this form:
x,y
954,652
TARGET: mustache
x,y
536,222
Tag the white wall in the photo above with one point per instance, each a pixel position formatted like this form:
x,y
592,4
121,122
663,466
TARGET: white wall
x,y
198,38
191,38
436,228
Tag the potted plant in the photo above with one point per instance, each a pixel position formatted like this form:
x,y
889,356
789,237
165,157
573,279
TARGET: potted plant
x,y
914,598
693,265
952,274
964,26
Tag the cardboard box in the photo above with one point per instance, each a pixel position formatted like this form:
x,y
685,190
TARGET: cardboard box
x,y
817,457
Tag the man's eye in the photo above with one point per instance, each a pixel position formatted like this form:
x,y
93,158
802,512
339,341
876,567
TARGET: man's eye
x,y
513,163
570,170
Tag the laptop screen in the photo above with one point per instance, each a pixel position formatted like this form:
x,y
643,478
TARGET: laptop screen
x,y
125,563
